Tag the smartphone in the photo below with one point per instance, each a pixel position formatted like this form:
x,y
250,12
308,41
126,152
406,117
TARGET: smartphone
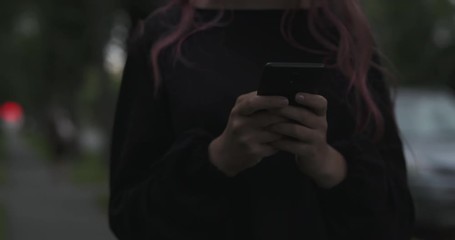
x,y
287,79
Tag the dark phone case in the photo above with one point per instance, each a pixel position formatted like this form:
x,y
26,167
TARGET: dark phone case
x,y
288,79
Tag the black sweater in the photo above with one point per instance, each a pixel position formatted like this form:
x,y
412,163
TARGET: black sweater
x,y
163,185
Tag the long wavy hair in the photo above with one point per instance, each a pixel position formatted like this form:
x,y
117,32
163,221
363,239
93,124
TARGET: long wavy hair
x,y
352,47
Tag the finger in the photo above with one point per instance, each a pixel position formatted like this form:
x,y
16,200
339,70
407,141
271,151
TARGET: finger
x,y
316,103
268,136
297,131
267,150
253,103
301,115
263,136
259,151
265,118
290,146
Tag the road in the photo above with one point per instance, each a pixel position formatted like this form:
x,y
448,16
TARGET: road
x,y
38,207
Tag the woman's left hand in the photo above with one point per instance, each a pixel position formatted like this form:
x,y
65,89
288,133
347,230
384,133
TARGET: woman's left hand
x,y
307,140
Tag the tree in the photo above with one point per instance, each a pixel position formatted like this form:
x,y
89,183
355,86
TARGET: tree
x,y
418,37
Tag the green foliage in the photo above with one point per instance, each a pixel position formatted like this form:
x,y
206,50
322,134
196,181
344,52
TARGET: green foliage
x,y
53,58
89,169
102,201
38,142
418,37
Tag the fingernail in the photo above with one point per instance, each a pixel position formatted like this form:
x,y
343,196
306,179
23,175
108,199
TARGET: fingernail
x,y
284,101
300,97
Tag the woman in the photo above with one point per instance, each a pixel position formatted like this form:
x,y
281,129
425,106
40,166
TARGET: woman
x,y
197,154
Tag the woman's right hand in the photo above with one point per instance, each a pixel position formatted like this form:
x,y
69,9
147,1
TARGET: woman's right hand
x,y
245,140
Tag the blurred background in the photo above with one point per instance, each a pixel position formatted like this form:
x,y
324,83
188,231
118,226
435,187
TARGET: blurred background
x,y
60,70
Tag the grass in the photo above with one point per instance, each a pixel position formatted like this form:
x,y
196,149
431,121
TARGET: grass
x,y
89,169
39,144
102,202
86,168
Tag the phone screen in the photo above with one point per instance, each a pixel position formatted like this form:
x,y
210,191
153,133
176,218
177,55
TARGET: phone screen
x,y
288,79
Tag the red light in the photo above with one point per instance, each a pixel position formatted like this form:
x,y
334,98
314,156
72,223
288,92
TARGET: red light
x,y
11,112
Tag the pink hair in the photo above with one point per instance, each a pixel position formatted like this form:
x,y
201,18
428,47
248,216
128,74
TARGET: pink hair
x,y
353,46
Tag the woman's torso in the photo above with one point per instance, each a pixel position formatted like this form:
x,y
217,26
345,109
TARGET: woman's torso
x,y
272,200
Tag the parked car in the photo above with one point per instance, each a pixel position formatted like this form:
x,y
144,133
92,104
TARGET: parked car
x,y
426,118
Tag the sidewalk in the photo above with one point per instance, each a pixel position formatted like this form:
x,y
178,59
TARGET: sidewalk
x,y
37,207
